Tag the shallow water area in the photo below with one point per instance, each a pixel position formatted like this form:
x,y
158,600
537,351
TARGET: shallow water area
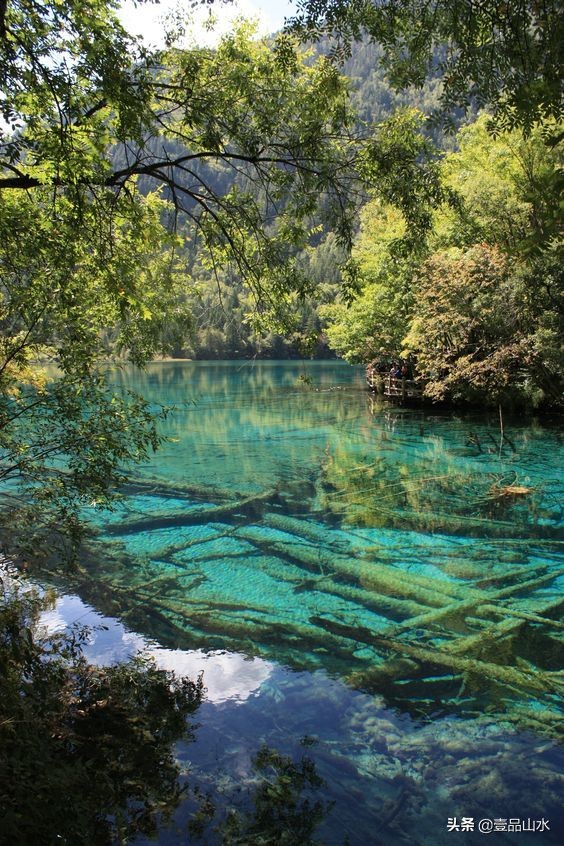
x,y
373,588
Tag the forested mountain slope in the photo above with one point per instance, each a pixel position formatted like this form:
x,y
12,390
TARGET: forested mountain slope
x,y
221,304
475,304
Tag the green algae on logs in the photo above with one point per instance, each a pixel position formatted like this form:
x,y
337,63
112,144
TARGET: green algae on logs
x,y
420,601
257,630
304,529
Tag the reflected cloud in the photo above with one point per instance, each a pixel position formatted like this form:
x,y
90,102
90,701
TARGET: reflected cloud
x,y
228,676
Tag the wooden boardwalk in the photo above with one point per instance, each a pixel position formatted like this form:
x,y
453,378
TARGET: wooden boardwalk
x,y
393,388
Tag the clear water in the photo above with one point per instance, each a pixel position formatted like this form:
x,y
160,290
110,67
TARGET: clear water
x,y
377,588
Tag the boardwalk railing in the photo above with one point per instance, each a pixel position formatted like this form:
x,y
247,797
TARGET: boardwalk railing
x,y
394,387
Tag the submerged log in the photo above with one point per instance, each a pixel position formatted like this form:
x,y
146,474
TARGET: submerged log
x,y
228,511
507,676
394,584
453,524
507,576
177,490
169,551
528,616
547,721
431,655
497,631
485,639
301,528
240,623
312,535
339,582
457,608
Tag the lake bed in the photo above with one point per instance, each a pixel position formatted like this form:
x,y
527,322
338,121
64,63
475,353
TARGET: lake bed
x,y
375,589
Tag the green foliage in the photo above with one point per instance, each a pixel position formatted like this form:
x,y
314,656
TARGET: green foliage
x,y
117,168
478,334
71,266
65,444
86,751
371,324
403,166
258,111
504,55
466,332
510,186
221,301
67,64
479,304
274,122
502,292
229,321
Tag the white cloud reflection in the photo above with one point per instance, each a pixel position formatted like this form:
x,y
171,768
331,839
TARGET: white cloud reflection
x,y
228,676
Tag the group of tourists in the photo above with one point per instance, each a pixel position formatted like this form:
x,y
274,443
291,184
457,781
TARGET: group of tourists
x,y
398,382
400,370
379,372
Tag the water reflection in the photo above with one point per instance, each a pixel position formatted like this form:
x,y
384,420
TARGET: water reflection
x,y
247,425
229,677
292,537
414,555
388,779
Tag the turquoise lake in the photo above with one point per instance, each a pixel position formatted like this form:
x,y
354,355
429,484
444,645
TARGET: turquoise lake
x,y
373,588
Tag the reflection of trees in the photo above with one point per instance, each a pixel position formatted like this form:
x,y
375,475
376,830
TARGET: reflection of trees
x,y
373,547
87,752
238,423
383,617
281,808
427,483
470,642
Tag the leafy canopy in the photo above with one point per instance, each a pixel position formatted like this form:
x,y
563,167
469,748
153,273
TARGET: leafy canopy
x,y
91,108
479,305
505,55
114,161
